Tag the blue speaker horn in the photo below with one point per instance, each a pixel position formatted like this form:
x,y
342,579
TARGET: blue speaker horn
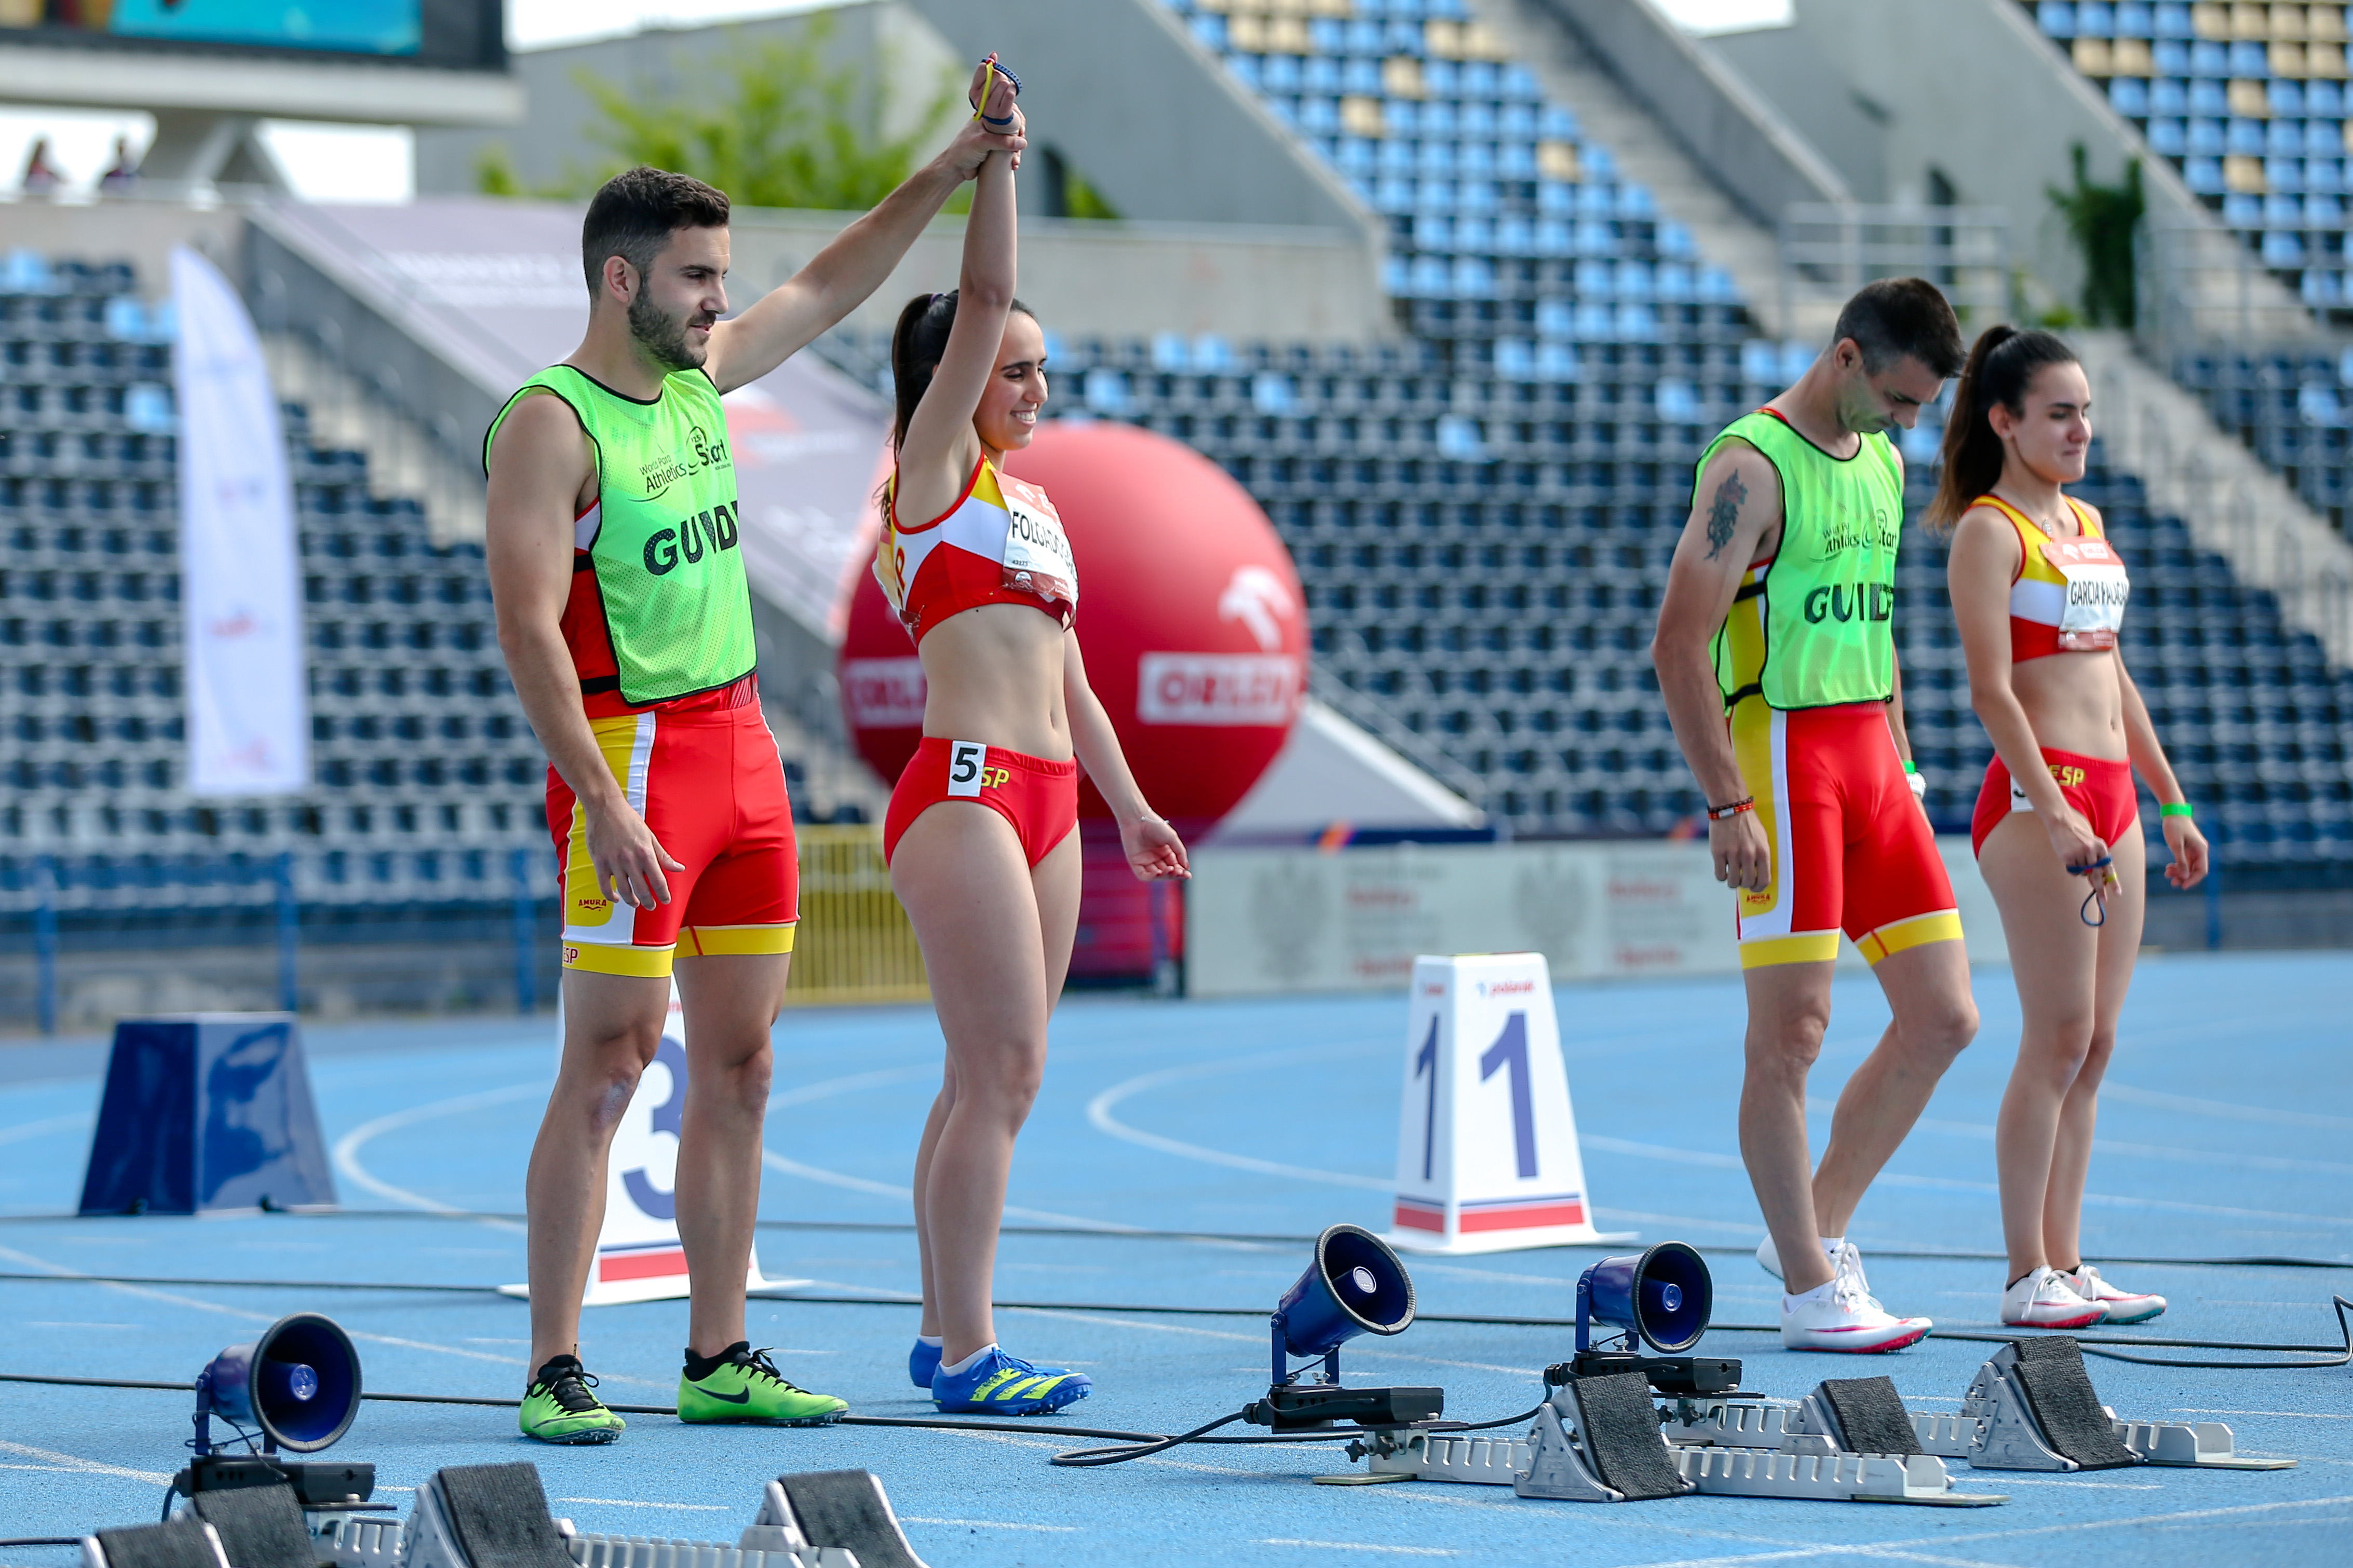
x,y
1355,1286
1661,1297
298,1385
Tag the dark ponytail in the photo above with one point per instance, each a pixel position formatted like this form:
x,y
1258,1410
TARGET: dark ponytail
x,y
916,345
2002,365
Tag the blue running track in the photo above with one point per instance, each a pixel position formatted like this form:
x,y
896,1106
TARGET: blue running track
x,y
2227,1130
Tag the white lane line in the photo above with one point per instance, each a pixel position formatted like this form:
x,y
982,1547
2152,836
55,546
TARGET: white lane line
x,y
2291,1415
990,1524
2199,1106
219,1309
1099,1112
1360,1546
1903,1547
1660,1152
632,1502
25,1129
884,1078
2173,1152
87,1467
348,1147
1951,1184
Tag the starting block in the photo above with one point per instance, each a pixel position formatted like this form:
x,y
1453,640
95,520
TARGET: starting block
x,y
2031,1407
1585,1447
496,1516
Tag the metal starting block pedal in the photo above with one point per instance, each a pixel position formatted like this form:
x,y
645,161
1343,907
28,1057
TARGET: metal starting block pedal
x,y
1583,1448
2029,1407
496,1516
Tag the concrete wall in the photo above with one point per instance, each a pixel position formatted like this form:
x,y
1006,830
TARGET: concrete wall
x,y
1892,88
1116,279
1148,115
553,148
1738,134
140,232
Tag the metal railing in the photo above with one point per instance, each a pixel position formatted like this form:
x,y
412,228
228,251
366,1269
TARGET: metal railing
x,y
854,943
1828,250
2198,284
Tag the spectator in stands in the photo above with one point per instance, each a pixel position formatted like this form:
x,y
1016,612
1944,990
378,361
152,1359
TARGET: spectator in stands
x,y
626,618
41,177
1779,612
123,173
982,834
2039,595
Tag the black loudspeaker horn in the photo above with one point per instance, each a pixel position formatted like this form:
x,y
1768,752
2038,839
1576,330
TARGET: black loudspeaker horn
x,y
298,1385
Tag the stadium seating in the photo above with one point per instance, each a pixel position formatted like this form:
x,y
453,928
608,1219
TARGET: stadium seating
x,y
1482,514
2248,101
427,777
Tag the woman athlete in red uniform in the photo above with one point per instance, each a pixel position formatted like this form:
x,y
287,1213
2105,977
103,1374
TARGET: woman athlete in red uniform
x,y
2040,594
981,834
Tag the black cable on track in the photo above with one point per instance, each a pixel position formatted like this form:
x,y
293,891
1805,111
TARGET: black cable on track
x,y
2341,1355
1141,1233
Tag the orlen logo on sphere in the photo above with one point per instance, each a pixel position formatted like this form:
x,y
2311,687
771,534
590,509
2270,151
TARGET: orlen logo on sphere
x,y
1231,688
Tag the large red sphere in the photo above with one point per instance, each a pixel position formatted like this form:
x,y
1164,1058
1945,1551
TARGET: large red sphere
x,y
1190,613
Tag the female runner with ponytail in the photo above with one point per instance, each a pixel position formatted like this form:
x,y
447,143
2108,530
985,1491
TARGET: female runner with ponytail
x,y
2039,593
981,836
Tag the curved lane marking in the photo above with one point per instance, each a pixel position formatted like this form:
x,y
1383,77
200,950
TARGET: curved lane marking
x,y
884,1078
348,1147
2198,1106
1099,1112
25,1129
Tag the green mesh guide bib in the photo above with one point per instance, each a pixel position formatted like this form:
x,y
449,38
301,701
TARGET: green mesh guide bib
x,y
669,572
1814,626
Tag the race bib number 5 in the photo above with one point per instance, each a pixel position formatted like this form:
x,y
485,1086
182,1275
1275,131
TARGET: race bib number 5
x,y
2097,587
967,768
1037,557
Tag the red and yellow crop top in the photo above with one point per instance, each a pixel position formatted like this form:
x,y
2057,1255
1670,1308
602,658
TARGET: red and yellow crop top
x,y
1001,543
2067,596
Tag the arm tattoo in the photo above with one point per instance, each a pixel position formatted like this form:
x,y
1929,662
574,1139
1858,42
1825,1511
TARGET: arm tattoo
x,y
1723,512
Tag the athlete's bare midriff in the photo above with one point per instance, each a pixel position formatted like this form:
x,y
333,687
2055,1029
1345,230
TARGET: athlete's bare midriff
x,y
994,673
2075,702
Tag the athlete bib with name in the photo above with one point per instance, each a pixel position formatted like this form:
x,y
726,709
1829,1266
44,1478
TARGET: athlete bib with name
x,y
2069,596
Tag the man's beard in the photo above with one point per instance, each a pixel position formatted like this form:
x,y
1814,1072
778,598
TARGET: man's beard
x,y
663,336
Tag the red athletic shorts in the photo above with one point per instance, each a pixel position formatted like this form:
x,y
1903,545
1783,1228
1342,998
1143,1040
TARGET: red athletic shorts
x,y
1852,851
1040,798
2101,790
709,784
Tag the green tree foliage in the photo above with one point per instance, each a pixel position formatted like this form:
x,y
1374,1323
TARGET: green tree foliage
x,y
2102,220
778,125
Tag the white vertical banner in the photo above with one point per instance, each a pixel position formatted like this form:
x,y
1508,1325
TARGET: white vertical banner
x,y
240,572
1487,1154
638,1255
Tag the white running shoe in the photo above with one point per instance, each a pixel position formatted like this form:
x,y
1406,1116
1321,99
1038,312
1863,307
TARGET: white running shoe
x,y
1844,1317
1768,1256
2123,1306
2042,1300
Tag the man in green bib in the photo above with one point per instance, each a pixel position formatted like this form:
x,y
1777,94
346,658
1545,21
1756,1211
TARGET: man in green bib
x,y
626,617
1776,654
